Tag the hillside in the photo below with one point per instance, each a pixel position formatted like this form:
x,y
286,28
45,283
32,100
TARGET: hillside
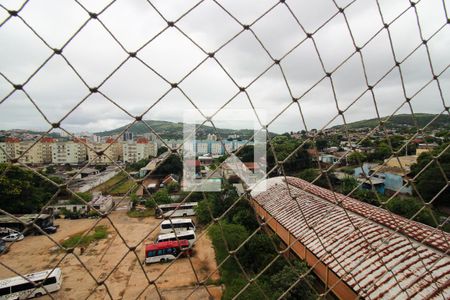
x,y
170,130
404,120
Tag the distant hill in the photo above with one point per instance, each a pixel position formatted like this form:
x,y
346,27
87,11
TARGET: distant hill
x,y
171,130
404,120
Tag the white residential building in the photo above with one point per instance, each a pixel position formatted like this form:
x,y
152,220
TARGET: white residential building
x,y
202,147
216,148
141,149
68,152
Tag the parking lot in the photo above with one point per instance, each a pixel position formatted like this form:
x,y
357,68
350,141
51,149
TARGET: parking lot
x,y
127,281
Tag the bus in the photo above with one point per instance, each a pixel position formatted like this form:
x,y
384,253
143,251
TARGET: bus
x,y
166,251
176,225
20,288
188,235
176,210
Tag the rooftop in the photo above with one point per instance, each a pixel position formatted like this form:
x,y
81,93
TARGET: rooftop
x,y
384,255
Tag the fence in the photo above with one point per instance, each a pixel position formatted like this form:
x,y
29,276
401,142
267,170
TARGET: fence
x,y
373,59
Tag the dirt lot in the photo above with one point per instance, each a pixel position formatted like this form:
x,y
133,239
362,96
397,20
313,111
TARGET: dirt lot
x,y
127,281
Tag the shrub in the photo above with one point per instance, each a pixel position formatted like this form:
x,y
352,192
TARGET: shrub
x,y
78,240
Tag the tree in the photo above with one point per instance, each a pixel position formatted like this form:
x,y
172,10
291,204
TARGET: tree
x,y
284,279
86,196
22,191
285,146
162,197
408,207
50,170
309,174
161,150
348,184
382,151
356,158
172,165
431,181
321,143
246,153
139,164
172,187
257,252
202,212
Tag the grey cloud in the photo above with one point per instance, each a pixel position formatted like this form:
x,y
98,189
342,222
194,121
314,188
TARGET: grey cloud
x,y
95,54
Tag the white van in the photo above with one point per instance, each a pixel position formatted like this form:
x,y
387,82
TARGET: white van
x,y
188,235
178,225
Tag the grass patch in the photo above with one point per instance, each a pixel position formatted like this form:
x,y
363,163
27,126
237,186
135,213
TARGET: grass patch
x,y
111,182
78,240
141,213
123,187
118,185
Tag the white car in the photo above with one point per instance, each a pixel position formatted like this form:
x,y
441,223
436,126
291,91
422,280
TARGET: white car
x,y
13,237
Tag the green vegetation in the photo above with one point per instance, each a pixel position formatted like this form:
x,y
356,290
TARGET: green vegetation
x,y
283,147
409,206
443,121
86,196
118,185
170,130
138,165
172,165
406,206
123,187
160,197
233,229
78,240
112,182
161,150
22,191
430,182
149,212
172,187
311,174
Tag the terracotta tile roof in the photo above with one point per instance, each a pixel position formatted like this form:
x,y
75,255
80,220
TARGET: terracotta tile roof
x,y
408,259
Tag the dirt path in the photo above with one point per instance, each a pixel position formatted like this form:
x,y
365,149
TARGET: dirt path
x,y
128,279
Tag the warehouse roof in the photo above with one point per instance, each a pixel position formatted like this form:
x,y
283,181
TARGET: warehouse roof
x,y
377,253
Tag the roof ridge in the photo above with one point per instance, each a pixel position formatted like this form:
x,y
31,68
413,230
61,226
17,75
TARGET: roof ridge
x,y
422,233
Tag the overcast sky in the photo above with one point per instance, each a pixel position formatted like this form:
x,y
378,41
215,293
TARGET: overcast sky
x,y
56,89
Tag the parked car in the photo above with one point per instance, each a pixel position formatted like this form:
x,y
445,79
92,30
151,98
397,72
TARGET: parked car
x,y
50,229
13,237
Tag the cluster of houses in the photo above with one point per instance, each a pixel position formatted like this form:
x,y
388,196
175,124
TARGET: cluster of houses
x,y
388,177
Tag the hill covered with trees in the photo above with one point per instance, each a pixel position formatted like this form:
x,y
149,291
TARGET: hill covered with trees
x,y
171,130
404,120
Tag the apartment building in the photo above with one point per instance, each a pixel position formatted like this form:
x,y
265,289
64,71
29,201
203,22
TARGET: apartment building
x,y
9,147
202,147
46,148
28,153
217,148
72,152
3,157
112,151
141,149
